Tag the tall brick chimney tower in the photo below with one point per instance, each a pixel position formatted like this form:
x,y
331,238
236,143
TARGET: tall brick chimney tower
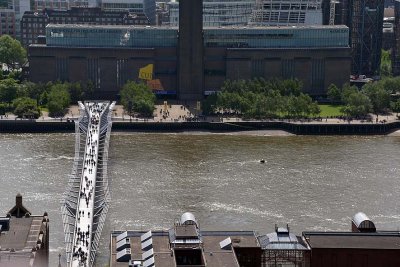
x,y
190,50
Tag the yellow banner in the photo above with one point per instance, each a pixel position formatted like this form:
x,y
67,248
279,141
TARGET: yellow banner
x,y
146,73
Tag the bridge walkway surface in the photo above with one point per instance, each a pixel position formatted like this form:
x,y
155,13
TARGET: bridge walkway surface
x,y
87,197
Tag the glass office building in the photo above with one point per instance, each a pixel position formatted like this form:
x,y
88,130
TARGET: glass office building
x,y
110,36
287,12
218,12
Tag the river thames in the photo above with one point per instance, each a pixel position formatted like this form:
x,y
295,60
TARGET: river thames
x,y
309,182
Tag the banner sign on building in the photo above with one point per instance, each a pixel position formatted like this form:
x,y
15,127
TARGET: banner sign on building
x,y
146,73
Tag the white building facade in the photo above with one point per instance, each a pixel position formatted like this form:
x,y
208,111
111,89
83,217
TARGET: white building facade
x,y
287,12
147,7
218,12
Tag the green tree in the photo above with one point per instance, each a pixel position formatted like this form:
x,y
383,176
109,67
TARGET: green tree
x,y
8,90
314,109
386,64
334,93
380,98
76,92
395,106
347,91
357,104
25,107
11,52
210,104
138,97
58,99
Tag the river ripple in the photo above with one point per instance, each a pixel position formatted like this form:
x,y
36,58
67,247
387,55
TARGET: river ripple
x,y
312,183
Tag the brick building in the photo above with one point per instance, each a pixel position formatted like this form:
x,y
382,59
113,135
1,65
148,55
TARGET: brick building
x,y
33,24
7,22
24,238
111,55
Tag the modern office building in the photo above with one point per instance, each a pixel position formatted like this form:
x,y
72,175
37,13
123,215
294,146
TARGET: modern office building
x,y
10,17
287,12
24,238
396,47
19,7
218,12
388,33
111,55
34,22
148,7
365,21
7,22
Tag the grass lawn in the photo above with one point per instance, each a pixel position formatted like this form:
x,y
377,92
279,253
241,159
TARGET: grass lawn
x,y
330,110
44,109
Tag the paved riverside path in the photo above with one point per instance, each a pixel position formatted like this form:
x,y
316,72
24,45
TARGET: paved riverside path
x,y
84,213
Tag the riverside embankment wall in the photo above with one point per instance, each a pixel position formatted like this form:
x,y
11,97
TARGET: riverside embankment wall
x,y
26,126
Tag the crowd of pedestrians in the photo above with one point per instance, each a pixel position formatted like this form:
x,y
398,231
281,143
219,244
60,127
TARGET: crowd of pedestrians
x,y
82,241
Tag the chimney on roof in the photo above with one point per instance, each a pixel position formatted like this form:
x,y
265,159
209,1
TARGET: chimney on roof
x,y
18,200
19,210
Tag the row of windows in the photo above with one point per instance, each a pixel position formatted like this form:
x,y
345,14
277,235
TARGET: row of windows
x,y
292,6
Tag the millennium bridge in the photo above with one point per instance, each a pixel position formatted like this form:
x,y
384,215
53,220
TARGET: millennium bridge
x,y
87,197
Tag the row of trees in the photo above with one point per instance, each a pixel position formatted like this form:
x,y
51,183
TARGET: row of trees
x,y
25,98
373,97
259,98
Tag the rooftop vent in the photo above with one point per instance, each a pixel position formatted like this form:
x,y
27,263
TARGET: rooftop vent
x,y
226,244
133,263
146,241
124,243
124,255
4,224
188,219
362,224
121,236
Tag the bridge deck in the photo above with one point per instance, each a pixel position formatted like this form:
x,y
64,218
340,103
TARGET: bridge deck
x,y
86,201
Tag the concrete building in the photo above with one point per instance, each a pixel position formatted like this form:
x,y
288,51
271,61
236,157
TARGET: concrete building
x,y
24,238
283,248
34,23
39,5
19,7
7,22
191,50
111,55
218,13
185,244
287,12
148,7
10,17
364,246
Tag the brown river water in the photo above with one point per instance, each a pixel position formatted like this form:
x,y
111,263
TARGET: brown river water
x,y
309,182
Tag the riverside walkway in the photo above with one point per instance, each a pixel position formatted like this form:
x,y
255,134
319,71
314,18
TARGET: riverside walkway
x,y
87,198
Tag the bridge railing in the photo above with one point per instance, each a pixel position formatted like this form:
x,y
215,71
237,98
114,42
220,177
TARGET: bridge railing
x,y
101,190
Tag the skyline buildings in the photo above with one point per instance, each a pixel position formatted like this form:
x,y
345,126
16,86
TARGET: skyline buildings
x,y
287,12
